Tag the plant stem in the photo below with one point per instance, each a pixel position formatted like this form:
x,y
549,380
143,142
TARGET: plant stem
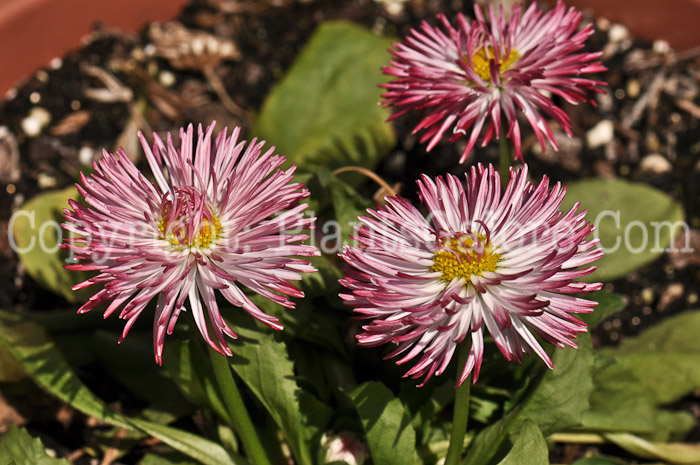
x,y
236,409
370,174
460,415
506,159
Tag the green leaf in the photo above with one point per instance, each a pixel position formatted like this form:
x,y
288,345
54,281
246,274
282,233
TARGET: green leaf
x,y
490,441
655,368
172,458
263,364
10,369
558,401
664,359
622,407
323,282
677,453
423,404
562,396
41,360
608,304
325,111
196,447
306,321
530,447
37,235
18,447
191,370
635,222
28,343
391,438
348,206
131,364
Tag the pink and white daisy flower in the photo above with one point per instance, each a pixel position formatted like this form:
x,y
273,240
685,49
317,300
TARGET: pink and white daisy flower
x,y
469,76
220,216
483,260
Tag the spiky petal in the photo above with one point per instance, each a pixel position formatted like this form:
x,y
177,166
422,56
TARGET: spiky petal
x,y
469,77
218,217
484,260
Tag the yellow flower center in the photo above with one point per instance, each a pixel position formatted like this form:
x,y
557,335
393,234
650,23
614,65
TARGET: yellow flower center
x,y
481,61
462,257
208,232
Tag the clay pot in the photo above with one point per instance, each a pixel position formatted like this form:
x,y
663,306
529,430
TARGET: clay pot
x,y
675,21
32,32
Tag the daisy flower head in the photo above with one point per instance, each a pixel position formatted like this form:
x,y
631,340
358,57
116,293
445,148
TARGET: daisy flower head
x,y
483,260
219,215
474,78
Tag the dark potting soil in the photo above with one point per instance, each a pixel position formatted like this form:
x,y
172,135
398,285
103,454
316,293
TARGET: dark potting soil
x,y
653,102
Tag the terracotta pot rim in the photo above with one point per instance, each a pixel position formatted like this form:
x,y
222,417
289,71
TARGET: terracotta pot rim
x,y
33,32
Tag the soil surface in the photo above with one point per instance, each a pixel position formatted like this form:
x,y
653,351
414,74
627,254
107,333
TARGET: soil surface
x,y
90,99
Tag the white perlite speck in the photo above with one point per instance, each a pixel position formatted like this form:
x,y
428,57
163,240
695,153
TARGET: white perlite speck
x,y
601,134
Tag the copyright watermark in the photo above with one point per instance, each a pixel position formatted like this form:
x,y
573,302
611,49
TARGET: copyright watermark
x,y
331,236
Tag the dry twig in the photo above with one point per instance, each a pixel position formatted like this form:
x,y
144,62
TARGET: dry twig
x,y
648,98
197,50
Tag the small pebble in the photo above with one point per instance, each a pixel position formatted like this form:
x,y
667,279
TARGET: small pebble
x,y
9,157
605,102
618,33
673,292
602,23
86,155
647,295
692,298
393,7
655,163
138,54
685,250
661,46
18,200
42,76
46,181
35,97
166,78
37,120
601,134
75,105
633,88
56,63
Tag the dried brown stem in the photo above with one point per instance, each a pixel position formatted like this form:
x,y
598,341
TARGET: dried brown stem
x,y
370,174
220,90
